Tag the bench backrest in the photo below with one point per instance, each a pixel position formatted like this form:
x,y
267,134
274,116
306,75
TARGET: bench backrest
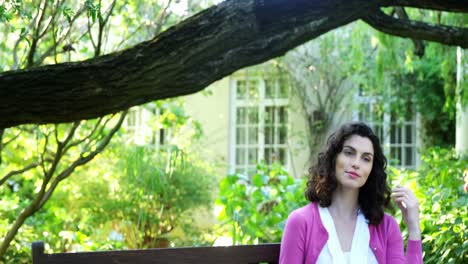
x,y
246,254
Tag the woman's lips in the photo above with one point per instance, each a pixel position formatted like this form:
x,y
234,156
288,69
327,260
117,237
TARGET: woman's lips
x,y
352,174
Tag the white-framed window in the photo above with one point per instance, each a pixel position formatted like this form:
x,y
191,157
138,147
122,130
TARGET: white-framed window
x,y
142,127
398,134
259,123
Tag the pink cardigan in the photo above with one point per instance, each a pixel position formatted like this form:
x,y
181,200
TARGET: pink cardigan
x,y
304,237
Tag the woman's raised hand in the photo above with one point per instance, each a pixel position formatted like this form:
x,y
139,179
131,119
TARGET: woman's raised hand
x,y
409,206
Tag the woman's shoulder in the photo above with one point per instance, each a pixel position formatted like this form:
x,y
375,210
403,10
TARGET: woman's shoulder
x,y
389,219
301,214
388,224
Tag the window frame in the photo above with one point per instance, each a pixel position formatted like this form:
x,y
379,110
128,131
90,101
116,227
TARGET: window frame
x,y
140,131
261,103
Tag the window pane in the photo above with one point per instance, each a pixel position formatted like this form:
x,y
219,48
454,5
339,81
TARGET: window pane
x,y
364,112
283,91
253,90
283,115
392,134
283,135
409,134
282,156
409,156
395,134
395,156
241,91
252,154
240,156
267,155
269,89
241,117
240,136
378,130
399,134
253,135
253,115
269,115
269,135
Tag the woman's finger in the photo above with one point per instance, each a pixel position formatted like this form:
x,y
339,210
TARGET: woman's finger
x,y
401,203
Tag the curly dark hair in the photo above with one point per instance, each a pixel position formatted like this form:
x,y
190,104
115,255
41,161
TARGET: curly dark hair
x,y
374,195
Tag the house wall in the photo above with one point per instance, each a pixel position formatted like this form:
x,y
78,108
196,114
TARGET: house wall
x,y
299,148
211,109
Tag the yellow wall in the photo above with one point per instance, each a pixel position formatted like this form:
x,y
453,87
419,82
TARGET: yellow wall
x,y
211,109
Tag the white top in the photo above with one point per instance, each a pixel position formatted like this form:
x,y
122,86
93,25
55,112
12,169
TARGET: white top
x,y
360,252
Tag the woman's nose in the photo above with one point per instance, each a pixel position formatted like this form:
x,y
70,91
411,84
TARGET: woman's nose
x,y
355,163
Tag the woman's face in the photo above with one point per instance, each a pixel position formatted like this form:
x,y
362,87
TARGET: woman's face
x,y
354,162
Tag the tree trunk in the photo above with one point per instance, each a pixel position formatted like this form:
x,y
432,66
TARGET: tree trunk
x,y
184,59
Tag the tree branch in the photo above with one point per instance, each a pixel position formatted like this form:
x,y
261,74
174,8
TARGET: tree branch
x,y
16,172
36,35
418,44
81,161
441,5
51,20
189,56
101,24
59,153
182,60
51,49
161,18
86,138
453,36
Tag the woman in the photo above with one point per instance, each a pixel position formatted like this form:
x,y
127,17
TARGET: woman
x,y
345,221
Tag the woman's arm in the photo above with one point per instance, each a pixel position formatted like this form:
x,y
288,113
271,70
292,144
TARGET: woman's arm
x,y
293,240
394,251
409,206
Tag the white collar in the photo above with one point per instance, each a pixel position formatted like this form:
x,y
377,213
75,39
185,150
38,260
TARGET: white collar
x,y
359,246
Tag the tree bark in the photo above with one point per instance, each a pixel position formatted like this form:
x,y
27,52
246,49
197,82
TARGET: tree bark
x,y
182,60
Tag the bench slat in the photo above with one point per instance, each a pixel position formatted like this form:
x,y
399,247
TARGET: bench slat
x,y
245,254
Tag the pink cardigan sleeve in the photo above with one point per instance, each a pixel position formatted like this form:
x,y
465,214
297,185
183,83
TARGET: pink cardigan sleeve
x,y
293,240
394,250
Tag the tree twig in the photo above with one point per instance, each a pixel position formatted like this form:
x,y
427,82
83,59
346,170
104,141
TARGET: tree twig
x,y
16,172
36,37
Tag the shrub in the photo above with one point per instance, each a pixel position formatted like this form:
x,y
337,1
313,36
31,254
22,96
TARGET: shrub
x,y
255,208
438,184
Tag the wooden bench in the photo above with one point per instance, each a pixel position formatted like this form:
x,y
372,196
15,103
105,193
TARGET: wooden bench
x,y
246,254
